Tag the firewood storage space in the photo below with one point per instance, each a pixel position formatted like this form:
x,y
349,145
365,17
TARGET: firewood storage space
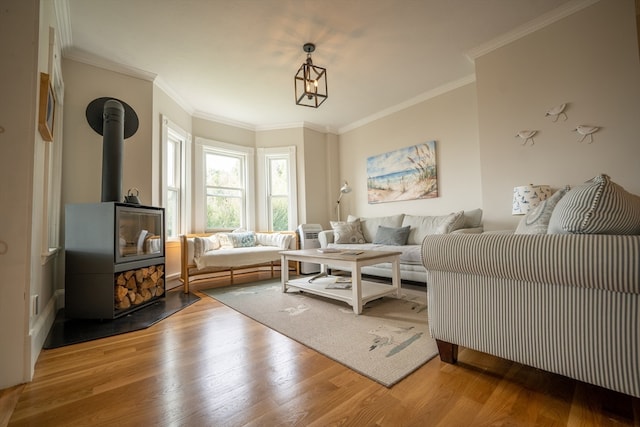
x,y
114,259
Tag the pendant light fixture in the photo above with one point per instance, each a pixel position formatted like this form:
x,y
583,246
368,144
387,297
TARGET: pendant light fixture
x,y
310,82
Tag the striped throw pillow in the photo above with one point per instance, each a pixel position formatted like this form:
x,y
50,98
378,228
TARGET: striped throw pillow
x,y
598,206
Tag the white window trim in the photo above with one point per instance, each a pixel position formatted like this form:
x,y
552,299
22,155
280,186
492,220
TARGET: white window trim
x,y
263,157
201,145
168,128
52,185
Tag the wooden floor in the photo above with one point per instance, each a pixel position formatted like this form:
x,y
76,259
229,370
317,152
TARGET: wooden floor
x,y
211,366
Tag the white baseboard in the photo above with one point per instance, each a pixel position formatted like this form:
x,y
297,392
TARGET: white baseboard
x,y
40,329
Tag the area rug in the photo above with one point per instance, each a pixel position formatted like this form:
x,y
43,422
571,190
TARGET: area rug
x,y
66,331
388,341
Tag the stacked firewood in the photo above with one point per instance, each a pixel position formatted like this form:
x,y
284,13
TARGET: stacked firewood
x,y
134,287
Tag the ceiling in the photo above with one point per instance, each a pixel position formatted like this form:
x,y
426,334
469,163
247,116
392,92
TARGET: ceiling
x,y
234,60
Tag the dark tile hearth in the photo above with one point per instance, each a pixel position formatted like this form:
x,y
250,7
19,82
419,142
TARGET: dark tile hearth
x,y
73,331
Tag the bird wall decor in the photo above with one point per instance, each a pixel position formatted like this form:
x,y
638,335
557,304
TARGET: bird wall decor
x,y
585,131
556,112
526,136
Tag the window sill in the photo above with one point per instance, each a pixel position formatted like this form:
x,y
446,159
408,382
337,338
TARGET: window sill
x,y
48,255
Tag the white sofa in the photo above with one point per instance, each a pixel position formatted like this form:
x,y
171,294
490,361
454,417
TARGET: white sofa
x,y
202,255
419,226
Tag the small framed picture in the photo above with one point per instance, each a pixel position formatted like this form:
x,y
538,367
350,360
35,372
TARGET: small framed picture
x,y
47,108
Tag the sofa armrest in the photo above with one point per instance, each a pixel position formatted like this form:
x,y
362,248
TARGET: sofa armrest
x,y
604,262
325,237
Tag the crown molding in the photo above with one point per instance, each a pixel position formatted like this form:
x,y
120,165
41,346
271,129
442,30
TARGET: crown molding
x,y
223,120
175,96
298,125
409,103
100,62
542,21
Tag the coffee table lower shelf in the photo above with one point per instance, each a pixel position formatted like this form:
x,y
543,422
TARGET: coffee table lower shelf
x,y
370,290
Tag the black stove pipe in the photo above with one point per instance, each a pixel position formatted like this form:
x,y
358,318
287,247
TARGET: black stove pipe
x,y
115,120
112,148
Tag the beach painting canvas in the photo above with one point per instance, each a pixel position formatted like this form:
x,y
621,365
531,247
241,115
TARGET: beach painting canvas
x,y
405,174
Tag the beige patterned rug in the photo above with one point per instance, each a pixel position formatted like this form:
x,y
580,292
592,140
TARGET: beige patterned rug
x,y
387,342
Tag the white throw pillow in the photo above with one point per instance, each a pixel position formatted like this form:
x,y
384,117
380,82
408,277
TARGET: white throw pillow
x,y
422,226
536,221
347,232
278,240
473,218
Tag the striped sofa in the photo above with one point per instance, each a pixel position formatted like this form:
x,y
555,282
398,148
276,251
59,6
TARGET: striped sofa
x,y
564,303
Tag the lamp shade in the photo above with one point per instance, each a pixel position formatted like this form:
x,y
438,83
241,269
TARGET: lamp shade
x,y
526,197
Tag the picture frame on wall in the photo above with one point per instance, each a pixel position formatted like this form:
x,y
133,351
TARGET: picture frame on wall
x,y
409,173
47,108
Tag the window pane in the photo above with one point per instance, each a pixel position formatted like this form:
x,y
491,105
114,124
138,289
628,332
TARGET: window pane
x,y
224,208
280,213
171,212
171,163
223,171
279,176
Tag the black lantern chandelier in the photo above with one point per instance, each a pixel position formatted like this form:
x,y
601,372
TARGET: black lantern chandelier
x,y
310,81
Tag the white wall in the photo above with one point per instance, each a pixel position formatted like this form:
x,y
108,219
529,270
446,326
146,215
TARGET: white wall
x,y
451,120
589,60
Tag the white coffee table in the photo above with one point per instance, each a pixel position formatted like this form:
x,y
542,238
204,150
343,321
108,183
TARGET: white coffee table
x,y
361,292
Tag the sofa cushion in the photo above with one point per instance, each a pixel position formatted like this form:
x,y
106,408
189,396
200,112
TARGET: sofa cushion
x,y
422,226
409,254
536,221
370,225
396,236
347,232
598,206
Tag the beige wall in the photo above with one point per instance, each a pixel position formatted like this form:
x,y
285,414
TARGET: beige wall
x,y
451,120
82,159
25,268
223,132
589,60
18,85
314,183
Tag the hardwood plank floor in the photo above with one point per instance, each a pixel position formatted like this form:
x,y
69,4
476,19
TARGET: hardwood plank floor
x,y
208,365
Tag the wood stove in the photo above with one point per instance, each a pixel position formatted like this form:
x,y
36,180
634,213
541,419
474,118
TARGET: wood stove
x,y
115,258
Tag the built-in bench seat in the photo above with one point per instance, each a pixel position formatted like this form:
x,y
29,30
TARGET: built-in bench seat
x,y
202,255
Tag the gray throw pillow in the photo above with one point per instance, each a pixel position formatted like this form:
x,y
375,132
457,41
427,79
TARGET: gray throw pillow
x,y
536,221
347,232
395,236
599,206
